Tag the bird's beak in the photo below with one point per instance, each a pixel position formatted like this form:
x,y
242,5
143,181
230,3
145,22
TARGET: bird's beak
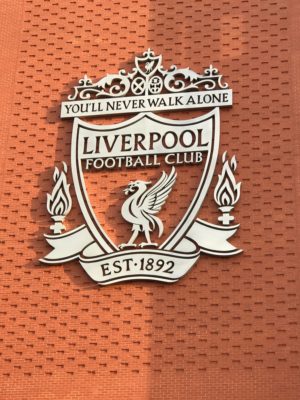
x,y
148,183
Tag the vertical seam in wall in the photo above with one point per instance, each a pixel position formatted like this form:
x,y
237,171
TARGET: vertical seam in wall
x,y
9,71
294,60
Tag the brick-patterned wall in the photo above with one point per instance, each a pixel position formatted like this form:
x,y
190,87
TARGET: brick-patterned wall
x,y
229,329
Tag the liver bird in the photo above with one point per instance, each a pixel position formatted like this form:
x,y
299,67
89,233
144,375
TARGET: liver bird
x,y
149,66
140,208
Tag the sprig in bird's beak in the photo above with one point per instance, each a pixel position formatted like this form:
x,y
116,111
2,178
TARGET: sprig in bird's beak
x,y
129,188
132,186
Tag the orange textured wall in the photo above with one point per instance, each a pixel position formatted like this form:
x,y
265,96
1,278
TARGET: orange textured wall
x,y
229,329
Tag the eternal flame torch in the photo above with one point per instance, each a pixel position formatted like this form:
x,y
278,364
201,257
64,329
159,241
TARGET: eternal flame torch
x,y
227,191
59,203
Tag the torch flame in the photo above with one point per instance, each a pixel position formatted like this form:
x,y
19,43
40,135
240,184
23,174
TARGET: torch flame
x,y
227,191
59,202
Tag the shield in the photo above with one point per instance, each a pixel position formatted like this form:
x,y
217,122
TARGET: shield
x,y
149,64
138,140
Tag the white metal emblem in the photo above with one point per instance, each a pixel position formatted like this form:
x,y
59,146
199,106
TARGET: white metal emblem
x,y
145,140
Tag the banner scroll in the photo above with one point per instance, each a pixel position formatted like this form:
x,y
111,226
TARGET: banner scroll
x,y
162,265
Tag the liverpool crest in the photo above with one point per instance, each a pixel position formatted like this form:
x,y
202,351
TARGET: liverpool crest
x,y
144,229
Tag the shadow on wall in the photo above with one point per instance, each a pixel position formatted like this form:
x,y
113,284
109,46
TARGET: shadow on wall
x,y
190,338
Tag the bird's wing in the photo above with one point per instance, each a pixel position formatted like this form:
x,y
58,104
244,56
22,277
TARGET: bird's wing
x,y
154,198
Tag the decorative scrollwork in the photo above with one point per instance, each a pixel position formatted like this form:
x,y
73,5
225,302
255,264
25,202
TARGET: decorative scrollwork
x,y
211,74
178,80
111,86
148,77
